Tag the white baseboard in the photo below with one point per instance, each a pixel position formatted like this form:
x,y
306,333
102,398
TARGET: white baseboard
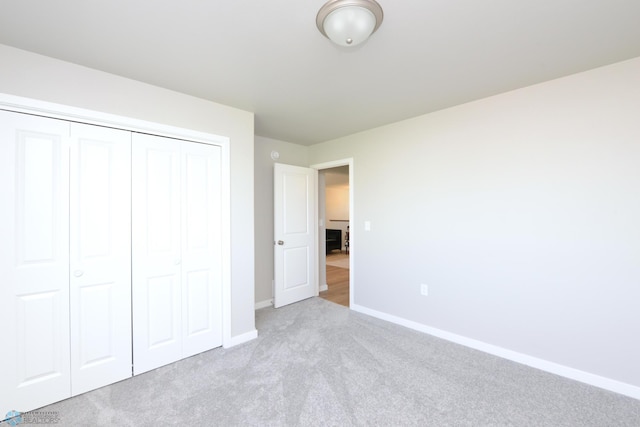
x,y
544,365
264,304
323,288
241,339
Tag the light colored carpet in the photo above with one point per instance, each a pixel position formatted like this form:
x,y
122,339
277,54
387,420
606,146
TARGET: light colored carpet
x,y
316,363
338,260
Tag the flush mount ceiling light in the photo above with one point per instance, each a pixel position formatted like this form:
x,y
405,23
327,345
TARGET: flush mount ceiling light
x,y
349,22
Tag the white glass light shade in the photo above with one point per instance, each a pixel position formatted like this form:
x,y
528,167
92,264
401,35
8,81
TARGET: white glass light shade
x,y
349,22
349,26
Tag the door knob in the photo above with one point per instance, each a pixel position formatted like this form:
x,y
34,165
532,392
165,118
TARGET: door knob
x,y
280,242
78,273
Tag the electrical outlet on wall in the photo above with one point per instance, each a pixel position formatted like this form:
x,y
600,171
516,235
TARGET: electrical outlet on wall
x,y
424,289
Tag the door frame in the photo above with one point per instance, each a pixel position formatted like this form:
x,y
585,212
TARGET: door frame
x,y
66,112
322,256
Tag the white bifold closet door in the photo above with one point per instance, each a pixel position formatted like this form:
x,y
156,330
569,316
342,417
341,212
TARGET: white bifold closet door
x,y
100,285
64,259
34,261
177,287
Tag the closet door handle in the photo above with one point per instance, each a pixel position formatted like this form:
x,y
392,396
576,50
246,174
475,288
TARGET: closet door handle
x,y
280,242
177,261
78,273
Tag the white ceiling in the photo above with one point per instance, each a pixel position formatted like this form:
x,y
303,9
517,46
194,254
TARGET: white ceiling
x,y
269,58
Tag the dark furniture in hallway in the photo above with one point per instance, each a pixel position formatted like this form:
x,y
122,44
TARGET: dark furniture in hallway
x,y
346,240
333,240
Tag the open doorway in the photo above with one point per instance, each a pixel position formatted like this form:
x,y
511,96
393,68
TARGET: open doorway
x,y
334,194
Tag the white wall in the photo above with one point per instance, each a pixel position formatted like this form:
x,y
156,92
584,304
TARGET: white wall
x,y
522,214
35,76
291,154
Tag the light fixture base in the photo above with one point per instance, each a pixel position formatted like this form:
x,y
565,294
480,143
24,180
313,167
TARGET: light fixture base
x,y
332,6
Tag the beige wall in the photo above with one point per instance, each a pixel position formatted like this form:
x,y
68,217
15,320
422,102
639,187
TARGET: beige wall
x,y
35,76
521,213
337,208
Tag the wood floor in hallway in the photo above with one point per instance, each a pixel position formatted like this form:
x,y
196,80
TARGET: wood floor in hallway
x,y
338,282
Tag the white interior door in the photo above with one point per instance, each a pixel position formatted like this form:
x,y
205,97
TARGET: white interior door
x,y
100,284
201,248
295,234
156,254
34,261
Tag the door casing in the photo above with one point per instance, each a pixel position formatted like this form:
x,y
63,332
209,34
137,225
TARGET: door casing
x,y
322,258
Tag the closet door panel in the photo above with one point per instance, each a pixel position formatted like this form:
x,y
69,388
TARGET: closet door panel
x,y
156,252
201,250
100,283
34,261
